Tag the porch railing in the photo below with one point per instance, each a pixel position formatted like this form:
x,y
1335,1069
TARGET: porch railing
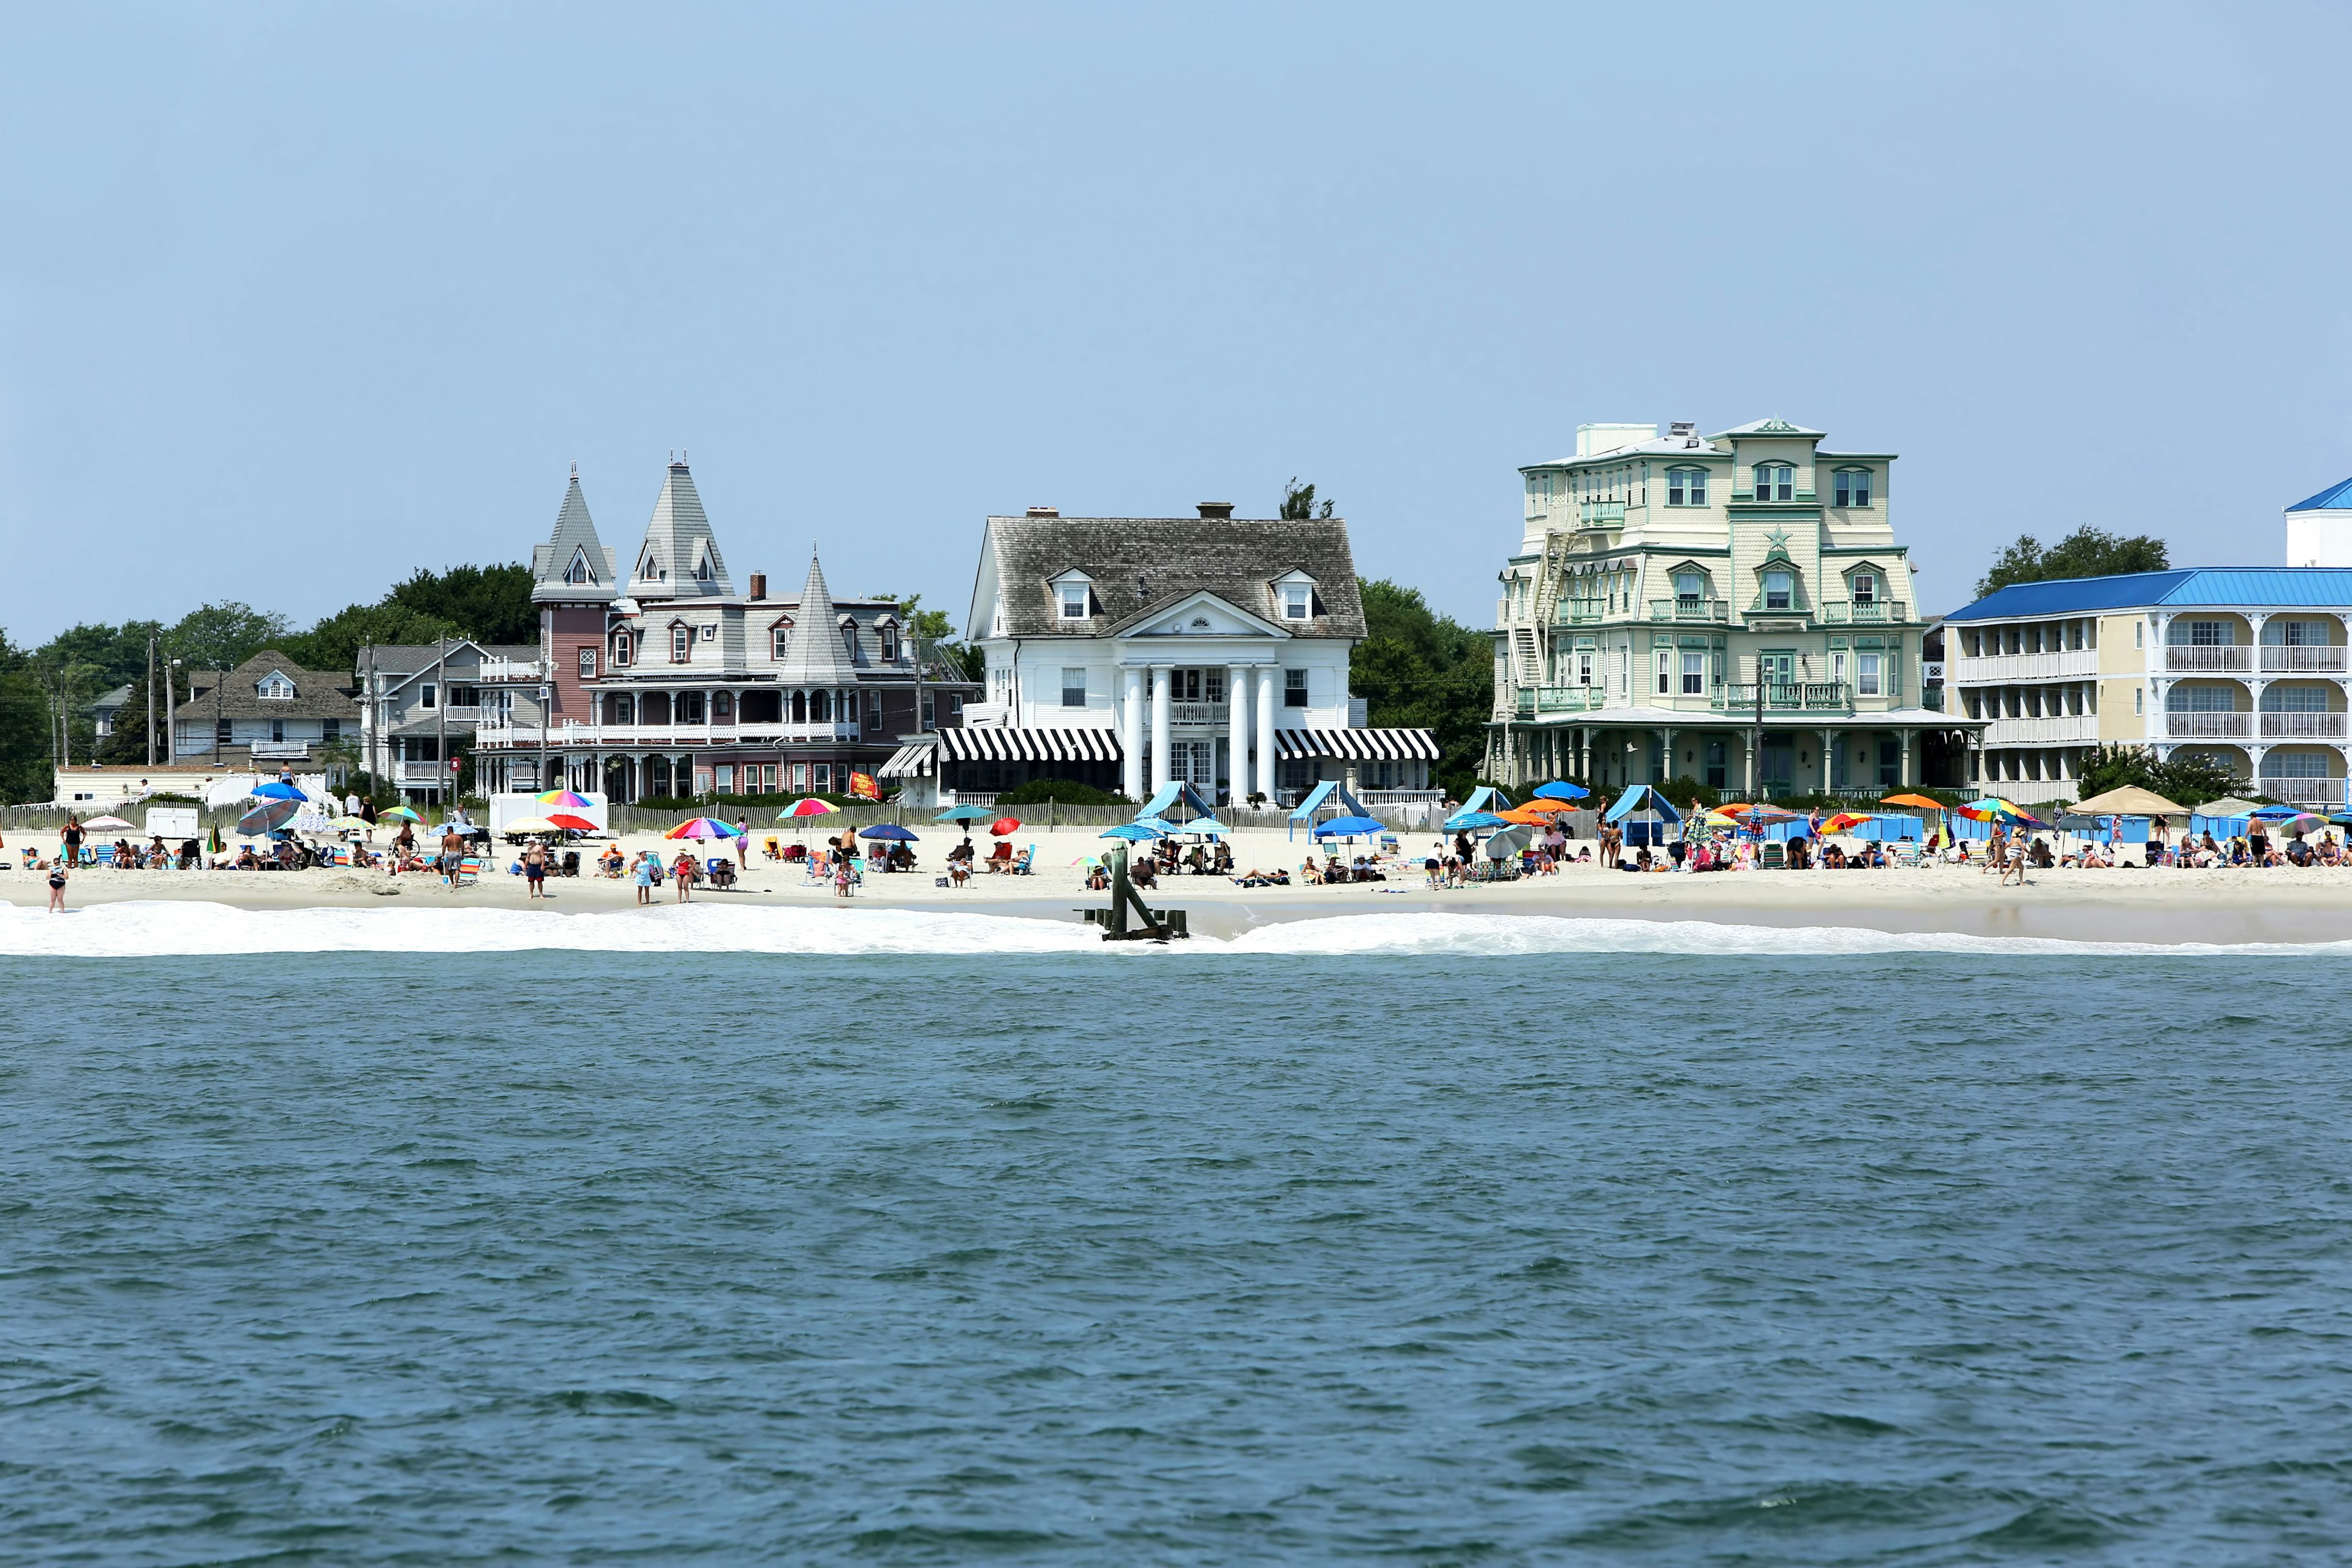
x,y
1802,696
2291,660
2183,656
1681,609
2208,726
2315,726
1864,612
2302,791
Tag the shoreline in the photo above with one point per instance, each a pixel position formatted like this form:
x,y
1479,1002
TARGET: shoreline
x,y
2164,907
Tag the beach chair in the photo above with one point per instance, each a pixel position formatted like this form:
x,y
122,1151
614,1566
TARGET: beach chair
x,y
469,871
814,871
105,855
1771,856
720,870
1020,867
1906,852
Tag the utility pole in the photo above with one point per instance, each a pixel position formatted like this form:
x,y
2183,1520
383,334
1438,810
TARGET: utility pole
x,y
441,712
219,680
150,698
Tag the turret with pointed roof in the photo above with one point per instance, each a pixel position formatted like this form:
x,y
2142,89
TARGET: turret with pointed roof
x,y
679,558
816,654
573,566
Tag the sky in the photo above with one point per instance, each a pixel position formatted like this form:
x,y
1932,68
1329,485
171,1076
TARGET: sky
x,y
295,300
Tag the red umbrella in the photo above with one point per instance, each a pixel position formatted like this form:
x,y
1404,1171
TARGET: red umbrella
x,y
1004,825
572,823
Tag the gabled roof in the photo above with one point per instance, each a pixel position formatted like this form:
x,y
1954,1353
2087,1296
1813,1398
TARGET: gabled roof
x,y
1769,428
2334,498
679,540
816,656
1139,565
317,693
574,539
2249,588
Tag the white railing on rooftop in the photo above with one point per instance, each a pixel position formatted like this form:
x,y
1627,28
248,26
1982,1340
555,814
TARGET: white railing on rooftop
x,y
2000,668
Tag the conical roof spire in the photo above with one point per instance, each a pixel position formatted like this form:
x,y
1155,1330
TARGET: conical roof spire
x,y
817,655
574,565
679,558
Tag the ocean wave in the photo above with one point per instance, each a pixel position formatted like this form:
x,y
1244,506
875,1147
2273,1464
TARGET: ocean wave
x,y
176,929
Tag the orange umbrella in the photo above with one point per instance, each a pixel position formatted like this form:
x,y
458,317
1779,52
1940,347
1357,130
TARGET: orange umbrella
x,y
1845,821
1920,801
1542,808
1524,817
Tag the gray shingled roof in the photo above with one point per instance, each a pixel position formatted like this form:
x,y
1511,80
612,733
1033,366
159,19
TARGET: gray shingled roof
x,y
575,532
1237,559
815,656
317,693
676,539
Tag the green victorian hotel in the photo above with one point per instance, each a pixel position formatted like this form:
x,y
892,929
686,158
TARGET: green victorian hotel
x,y
1663,584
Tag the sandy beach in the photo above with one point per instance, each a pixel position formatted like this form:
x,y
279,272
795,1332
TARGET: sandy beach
x,y
2278,905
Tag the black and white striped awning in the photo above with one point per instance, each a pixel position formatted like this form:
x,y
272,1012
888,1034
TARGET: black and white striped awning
x,y
1011,743
1360,745
909,763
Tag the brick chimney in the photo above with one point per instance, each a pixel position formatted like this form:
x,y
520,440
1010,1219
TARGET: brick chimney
x,y
1218,510
759,584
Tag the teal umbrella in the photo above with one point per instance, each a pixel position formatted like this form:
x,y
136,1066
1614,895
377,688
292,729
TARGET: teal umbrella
x,y
966,814
1135,832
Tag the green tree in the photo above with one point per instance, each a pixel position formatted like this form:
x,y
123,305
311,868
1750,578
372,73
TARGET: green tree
x,y
1418,669
118,654
2086,552
335,642
488,604
2185,778
1298,503
28,747
934,633
223,636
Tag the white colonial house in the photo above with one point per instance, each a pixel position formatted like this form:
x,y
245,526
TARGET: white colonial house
x,y
1131,652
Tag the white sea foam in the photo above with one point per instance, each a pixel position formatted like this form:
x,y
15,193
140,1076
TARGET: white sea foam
x,y
161,929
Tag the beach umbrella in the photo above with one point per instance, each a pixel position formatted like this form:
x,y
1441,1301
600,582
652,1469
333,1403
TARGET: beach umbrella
x,y
1559,791
965,814
1720,818
703,827
1470,821
531,825
1509,842
1990,808
106,822
1135,832
809,806
1351,828
2130,800
1845,821
568,799
1525,816
1206,824
1921,801
2289,820
268,816
571,823
1004,826
1547,807
890,831
405,813
275,791
358,822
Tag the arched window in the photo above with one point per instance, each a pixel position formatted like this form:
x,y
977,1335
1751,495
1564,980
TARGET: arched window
x,y
849,637
1775,481
799,707
1851,487
820,706
1686,487
621,649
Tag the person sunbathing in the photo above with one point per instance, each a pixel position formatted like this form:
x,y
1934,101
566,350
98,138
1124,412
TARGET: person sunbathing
x,y
1253,877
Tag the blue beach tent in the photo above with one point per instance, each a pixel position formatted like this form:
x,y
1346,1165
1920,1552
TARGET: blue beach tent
x,y
1169,796
1330,796
1645,814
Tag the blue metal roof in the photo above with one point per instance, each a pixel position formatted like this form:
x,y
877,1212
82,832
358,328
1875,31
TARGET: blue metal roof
x,y
2072,596
2334,498
2249,585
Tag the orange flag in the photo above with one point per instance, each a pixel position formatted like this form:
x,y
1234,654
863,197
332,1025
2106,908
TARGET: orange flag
x,y
862,787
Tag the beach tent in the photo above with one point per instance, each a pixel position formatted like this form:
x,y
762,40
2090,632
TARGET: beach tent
x,y
1645,814
1487,797
1174,794
1330,796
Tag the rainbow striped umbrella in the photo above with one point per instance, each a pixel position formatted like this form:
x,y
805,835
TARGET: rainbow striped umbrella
x,y
702,827
565,798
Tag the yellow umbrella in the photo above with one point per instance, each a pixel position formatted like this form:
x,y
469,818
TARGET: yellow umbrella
x,y
531,825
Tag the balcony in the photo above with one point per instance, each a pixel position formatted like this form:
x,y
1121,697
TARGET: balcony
x,y
1793,602
2227,660
663,737
2208,726
1581,612
511,669
2302,726
2316,659
1535,699
2074,664
1198,713
1683,609
2305,792
1601,515
1865,612
1796,696
422,776
2051,730
280,750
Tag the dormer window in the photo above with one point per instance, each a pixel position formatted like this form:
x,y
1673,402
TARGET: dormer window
x,y
703,573
780,639
1074,601
1852,487
681,643
1690,587
1866,587
1776,481
849,638
1686,487
889,643
1298,601
579,573
620,649
274,688
1780,589
651,571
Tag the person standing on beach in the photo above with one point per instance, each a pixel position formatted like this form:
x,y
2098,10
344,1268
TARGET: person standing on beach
x,y
57,887
742,843
645,876
452,847
684,870
534,868
73,840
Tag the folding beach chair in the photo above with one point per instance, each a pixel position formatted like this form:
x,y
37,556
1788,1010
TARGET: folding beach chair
x,y
1020,867
469,871
1771,856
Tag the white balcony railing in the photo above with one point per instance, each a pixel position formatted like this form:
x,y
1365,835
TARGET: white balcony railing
x,y
2059,729
2315,659
2181,656
1197,712
2302,726
422,776
1994,669
2208,726
663,737
511,669
282,750
2326,792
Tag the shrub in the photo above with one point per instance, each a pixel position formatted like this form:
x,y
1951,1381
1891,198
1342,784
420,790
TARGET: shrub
x,y
1062,792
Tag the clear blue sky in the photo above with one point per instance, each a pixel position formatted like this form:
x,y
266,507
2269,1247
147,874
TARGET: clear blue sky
x,y
294,301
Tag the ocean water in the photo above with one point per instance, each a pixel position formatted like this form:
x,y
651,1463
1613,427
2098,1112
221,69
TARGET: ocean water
x,y
940,1239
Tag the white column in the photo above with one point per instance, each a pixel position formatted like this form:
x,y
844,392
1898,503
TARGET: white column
x,y
1159,716
1265,769
1130,734
1237,731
